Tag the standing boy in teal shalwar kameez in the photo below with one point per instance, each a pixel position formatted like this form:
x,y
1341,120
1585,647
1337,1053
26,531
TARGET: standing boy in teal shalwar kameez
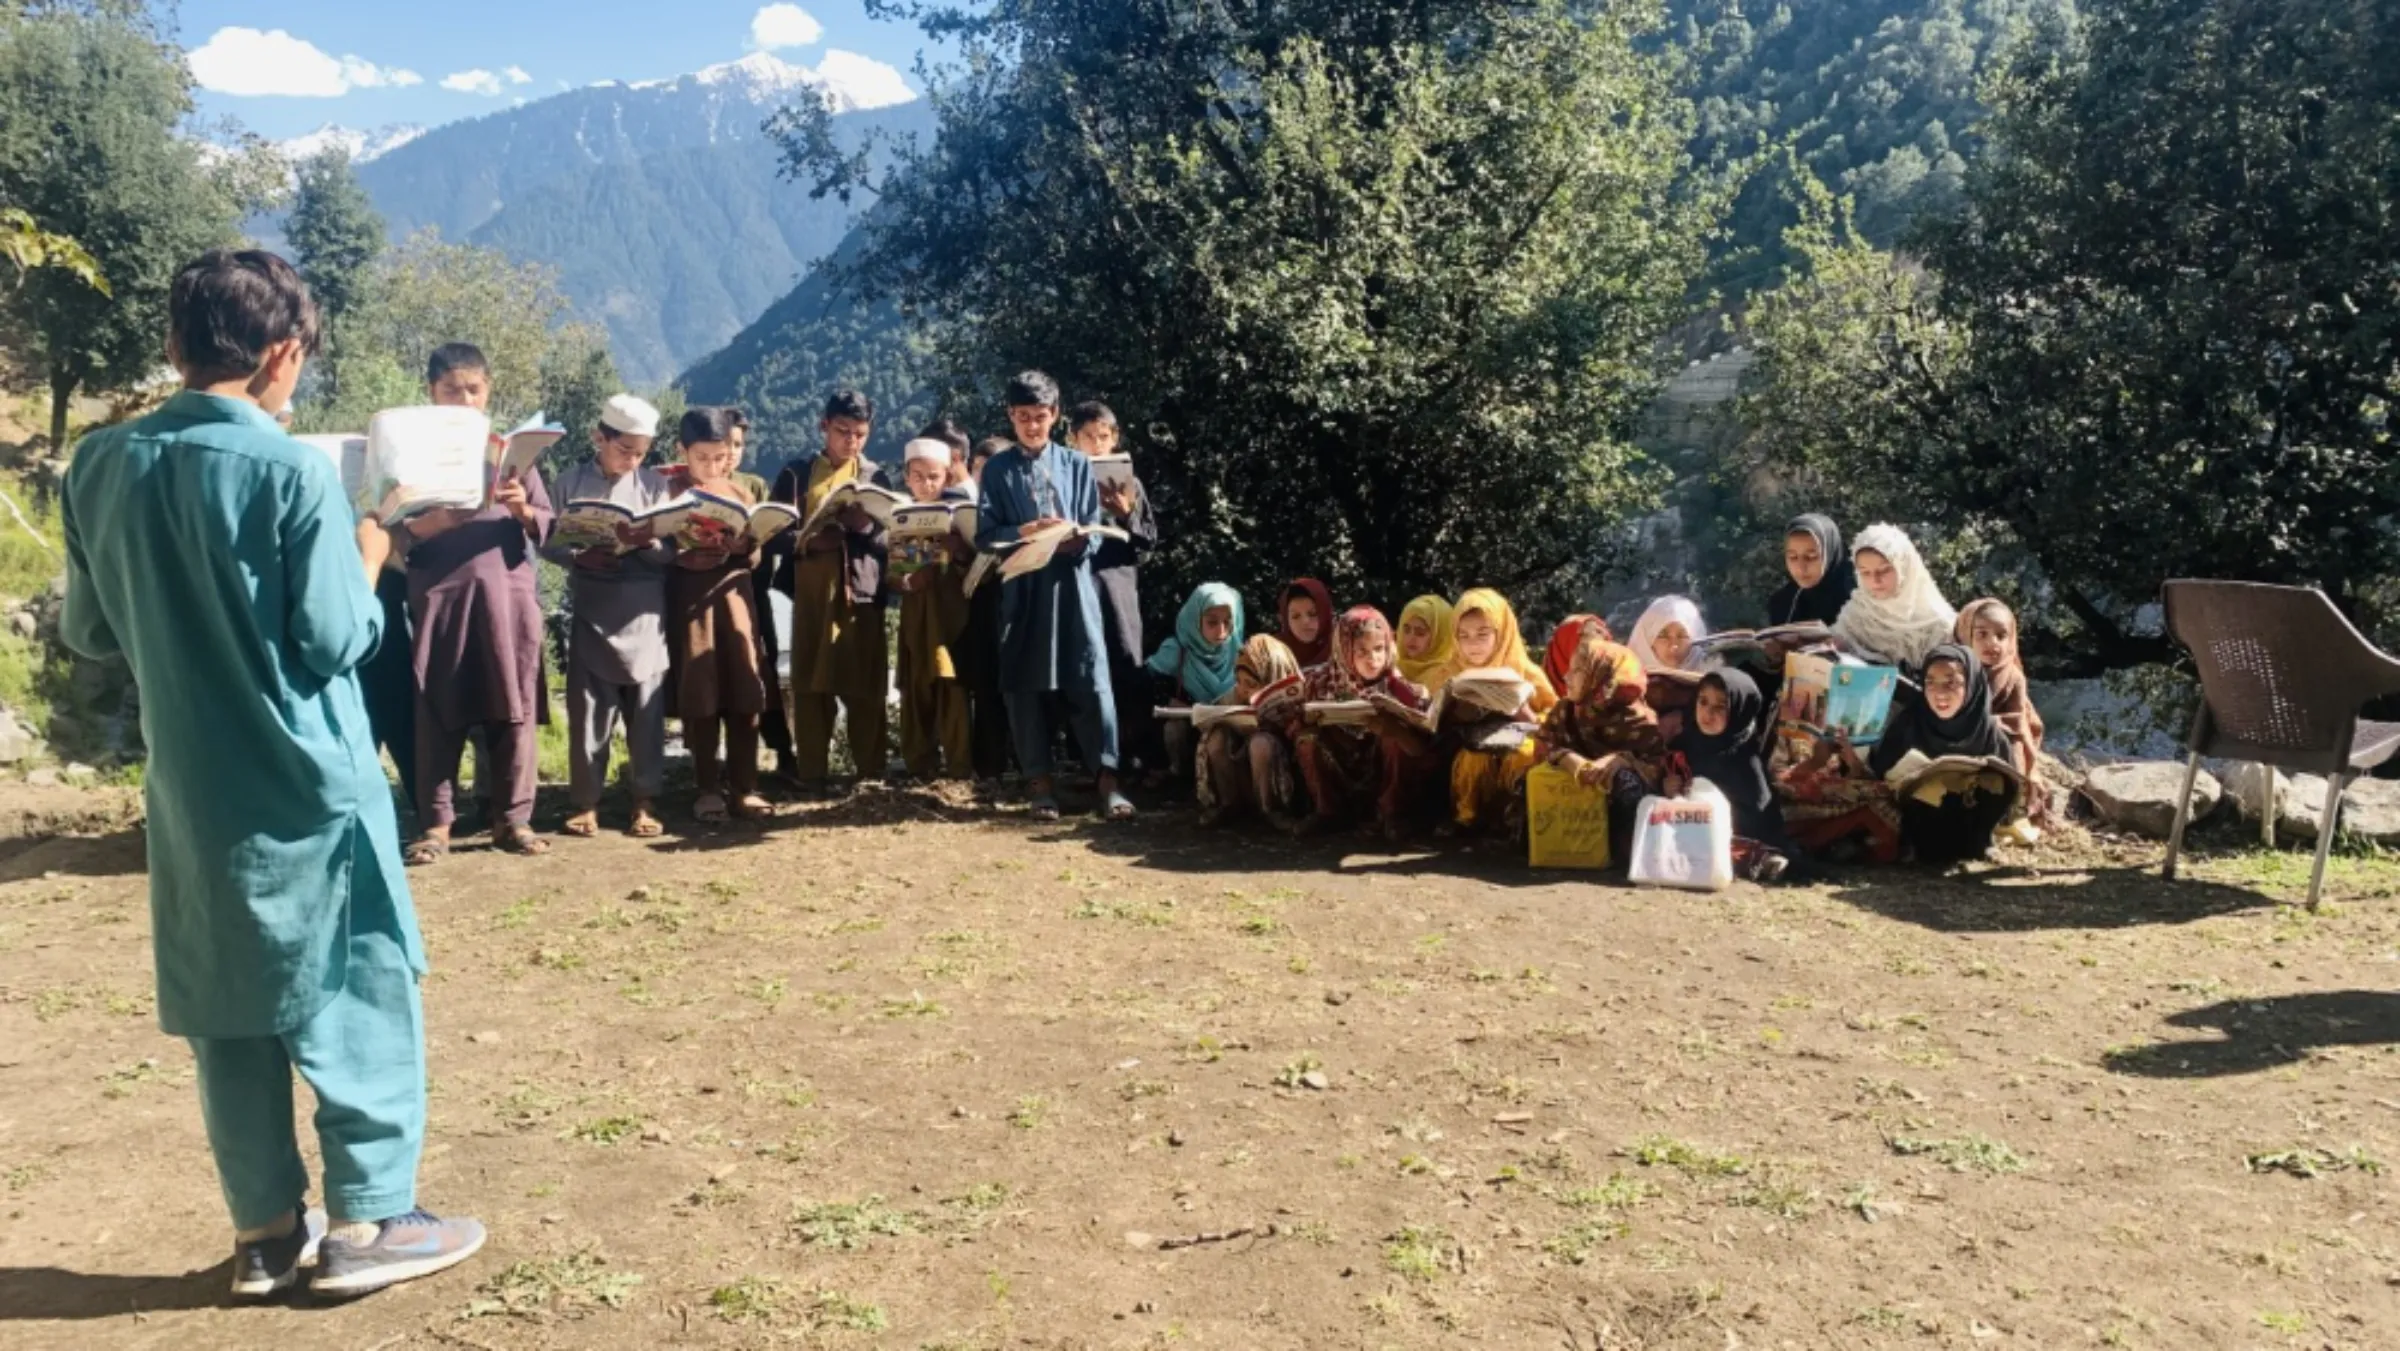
x,y
218,557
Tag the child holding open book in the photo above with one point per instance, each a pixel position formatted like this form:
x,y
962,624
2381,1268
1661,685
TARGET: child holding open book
x,y
477,608
930,575
1352,769
617,655
1116,569
713,621
1196,666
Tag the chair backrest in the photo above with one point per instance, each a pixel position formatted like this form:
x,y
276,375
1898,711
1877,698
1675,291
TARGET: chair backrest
x,y
2284,673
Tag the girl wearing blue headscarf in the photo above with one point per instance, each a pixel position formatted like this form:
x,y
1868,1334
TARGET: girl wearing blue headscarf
x,y
1198,662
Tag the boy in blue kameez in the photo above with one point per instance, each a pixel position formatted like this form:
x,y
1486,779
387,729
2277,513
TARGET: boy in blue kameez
x,y
1052,645
216,555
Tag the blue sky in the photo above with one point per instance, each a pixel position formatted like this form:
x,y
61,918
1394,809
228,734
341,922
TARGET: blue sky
x,y
284,67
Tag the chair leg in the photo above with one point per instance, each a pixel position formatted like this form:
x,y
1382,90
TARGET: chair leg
x,y
2325,827
2183,814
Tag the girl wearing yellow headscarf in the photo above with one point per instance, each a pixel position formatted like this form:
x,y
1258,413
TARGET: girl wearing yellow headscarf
x,y
1489,769
1427,641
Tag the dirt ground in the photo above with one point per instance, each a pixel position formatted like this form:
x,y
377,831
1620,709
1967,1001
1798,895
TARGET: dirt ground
x,y
896,1073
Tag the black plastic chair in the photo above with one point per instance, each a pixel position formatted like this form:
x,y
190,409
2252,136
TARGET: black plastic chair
x,y
2282,677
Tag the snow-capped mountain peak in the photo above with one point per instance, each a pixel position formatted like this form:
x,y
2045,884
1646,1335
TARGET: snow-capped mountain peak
x,y
362,145
846,81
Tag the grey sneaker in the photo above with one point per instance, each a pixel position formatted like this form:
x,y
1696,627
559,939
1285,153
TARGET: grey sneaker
x,y
405,1248
262,1267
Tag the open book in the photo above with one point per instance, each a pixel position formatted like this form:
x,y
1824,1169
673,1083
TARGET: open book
x,y
425,459
593,522
1113,469
1749,646
1929,780
877,501
706,522
1826,695
1469,696
349,456
921,533
522,448
1240,717
1034,552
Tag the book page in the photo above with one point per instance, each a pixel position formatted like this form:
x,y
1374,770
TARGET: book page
x,y
423,458
349,456
590,523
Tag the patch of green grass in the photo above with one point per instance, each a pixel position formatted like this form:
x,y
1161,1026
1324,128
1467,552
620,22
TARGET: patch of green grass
x,y
834,1311
1652,1151
25,1175
1782,1199
974,1207
2312,1163
1291,1074
1620,1192
607,1130
1415,1253
1880,1318
1574,1247
851,1225
1030,1113
1962,1154
562,1287
123,1083
2290,1323
915,1006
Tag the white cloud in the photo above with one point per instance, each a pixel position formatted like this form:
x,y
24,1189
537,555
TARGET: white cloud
x,y
248,63
473,82
782,25
861,81
517,75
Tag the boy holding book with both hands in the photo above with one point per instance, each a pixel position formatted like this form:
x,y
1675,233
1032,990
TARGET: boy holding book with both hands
x,y
929,571
617,653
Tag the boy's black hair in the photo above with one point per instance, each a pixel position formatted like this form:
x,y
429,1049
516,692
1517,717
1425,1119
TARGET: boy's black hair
x,y
736,417
1094,413
987,448
454,356
228,306
850,403
1032,389
949,433
704,424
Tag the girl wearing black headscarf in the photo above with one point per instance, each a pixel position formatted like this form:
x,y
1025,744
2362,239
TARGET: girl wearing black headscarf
x,y
1952,717
1821,576
1721,742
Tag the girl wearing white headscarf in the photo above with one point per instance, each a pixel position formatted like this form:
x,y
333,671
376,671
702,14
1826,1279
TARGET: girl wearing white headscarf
x,y
1897,614
1662,639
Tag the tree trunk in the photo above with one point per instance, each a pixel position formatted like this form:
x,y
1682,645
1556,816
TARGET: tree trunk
x,y
62,393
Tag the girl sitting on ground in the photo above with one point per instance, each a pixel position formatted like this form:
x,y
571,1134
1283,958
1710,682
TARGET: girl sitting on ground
x,y
1351,770
1724,743
1662,641
1490,759
1196,666
1245,769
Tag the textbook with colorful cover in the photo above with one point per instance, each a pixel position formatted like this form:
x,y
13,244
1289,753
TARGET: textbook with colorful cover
x,y
874,499
1825,695
521,449
708,523
921,533
593,523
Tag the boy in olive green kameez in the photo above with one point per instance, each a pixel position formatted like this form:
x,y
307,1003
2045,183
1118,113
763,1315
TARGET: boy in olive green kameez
x,y
218,557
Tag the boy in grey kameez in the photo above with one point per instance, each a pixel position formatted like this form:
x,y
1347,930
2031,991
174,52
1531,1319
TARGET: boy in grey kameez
x,y
617,653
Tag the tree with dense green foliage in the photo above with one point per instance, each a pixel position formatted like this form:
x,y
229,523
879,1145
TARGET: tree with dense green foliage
x,y
1879,100
1375,287
26,246
90,101
335,233
2162,338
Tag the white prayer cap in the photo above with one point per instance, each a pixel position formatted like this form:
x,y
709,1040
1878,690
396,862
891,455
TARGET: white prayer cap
x,y
926,448
629,416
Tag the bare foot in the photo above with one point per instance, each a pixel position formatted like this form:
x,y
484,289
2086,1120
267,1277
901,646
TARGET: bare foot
x,y
582,825
646,825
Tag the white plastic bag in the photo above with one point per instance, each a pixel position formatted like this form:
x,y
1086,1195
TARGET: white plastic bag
x,y
1684,842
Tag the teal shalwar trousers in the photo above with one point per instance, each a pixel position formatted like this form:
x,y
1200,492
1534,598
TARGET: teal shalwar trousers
x,y
363,1054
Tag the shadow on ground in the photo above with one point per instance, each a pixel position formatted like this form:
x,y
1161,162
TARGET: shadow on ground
x,y
2023,900
2263,1034
38,1294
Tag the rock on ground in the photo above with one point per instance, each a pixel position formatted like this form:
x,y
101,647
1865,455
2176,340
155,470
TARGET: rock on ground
x,y
2140,795
2370,809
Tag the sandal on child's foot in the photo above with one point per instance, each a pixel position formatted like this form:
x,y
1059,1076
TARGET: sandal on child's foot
x,y
645,826
582,825
516,838
710,809
425,852
752,807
